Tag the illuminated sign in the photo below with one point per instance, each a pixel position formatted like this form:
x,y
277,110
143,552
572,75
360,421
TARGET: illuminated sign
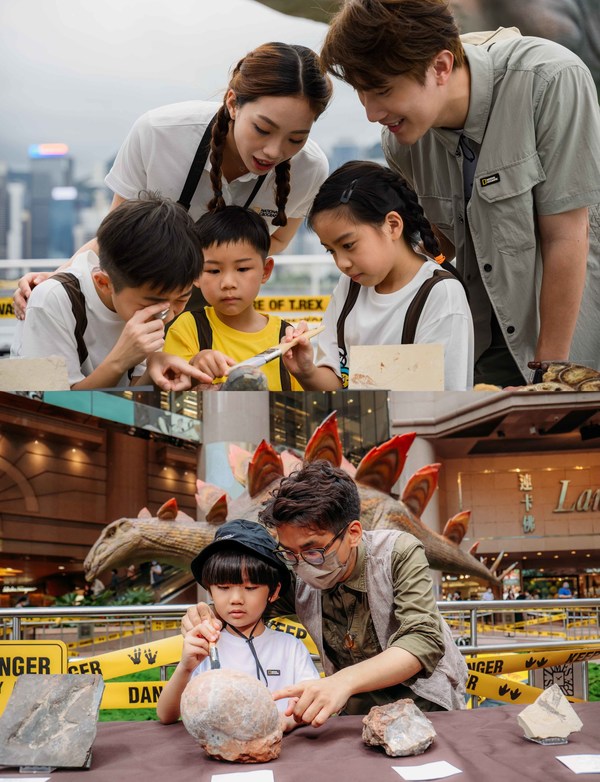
x,y
47,150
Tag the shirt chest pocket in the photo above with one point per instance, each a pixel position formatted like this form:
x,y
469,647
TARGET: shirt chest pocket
x,y
505,203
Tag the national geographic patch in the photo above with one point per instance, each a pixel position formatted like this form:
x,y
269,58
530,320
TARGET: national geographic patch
x,y
492,179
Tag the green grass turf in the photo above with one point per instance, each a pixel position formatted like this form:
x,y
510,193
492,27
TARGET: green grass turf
x,y
132,715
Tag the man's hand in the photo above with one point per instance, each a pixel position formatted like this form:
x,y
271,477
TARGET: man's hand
x,y
213,363
202,619
173,373
314,700
23,291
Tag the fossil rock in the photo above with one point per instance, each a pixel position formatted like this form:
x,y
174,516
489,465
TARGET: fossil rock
x,y
50,720
232,716
400,728
550,715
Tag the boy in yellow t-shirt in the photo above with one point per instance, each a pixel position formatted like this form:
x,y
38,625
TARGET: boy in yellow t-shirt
x,y
235,242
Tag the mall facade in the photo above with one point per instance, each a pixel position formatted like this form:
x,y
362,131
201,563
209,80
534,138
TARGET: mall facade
x,y
526,465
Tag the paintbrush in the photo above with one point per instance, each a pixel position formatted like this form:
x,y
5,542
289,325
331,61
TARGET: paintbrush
x,y
276,351
213,654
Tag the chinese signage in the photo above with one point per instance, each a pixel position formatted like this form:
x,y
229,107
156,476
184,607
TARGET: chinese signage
x,y
526,489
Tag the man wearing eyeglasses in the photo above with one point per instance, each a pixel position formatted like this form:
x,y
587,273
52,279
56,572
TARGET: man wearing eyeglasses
x,y
366,599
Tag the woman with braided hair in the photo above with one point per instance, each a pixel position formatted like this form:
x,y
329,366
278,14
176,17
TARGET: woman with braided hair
x,y
252,150
389,293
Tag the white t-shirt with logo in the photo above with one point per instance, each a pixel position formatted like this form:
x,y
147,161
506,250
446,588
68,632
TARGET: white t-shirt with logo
x,y
49,326
284,659
159,150
378,319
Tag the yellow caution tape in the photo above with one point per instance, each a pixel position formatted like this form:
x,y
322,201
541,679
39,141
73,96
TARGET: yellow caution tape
x,y
286,624
6,308
17,657
131,695
512,663
293,304
484,685
140,657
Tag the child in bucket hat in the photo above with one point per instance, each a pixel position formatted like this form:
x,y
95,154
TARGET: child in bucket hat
x,y
243,575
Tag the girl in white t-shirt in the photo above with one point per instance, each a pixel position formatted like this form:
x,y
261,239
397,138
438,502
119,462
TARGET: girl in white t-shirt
x,y
243,575
253,149
368,218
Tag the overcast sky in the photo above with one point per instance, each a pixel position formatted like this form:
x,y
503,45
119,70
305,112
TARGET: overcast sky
x,y
81,71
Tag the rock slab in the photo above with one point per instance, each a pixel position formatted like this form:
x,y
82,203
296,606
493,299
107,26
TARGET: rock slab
x,y
50,720
549,716
400,728
232,716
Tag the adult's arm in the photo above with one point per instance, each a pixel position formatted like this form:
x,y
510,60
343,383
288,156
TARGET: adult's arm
x,y
284,235
318,699
564,244
31,279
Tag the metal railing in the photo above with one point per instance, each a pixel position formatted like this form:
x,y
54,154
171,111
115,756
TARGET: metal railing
x,y
117,624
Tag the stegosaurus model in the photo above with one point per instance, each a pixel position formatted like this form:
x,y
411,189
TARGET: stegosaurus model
x,y
175,538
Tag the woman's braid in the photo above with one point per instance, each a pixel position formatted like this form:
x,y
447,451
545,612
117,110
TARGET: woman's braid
x,y
217,147
282,190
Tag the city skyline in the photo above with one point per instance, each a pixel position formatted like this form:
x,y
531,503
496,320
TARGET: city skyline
x,y
81,73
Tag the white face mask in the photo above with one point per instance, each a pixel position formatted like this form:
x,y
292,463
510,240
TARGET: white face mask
x,y
323,576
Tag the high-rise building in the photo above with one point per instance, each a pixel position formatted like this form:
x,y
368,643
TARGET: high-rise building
x,y
17,242
4,209
53,212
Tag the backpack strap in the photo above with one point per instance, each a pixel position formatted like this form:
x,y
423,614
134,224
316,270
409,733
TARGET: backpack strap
x,y
284,375
73,289
204,329
415,308
351,297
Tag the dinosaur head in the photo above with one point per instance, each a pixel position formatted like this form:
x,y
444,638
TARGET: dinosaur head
x,y
119,541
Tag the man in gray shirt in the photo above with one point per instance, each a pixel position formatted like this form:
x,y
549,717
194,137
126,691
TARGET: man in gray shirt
x,y
501,141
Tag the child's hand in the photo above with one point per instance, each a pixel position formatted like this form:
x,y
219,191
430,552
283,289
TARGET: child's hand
x,y
212,363
195,648
144,333
299,360
173,373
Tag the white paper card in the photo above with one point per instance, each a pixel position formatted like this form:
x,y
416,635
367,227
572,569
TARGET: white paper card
x,y
437,770
581,764
244,776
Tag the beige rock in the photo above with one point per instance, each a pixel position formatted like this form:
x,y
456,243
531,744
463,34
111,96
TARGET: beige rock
x,y
400,728
550,715
232,716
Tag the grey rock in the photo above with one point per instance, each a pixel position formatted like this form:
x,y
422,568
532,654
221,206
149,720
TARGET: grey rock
x,y
549,716
400,728
50,720
246,379
232,716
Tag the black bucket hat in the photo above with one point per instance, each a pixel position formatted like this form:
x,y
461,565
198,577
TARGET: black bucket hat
x,y
247,537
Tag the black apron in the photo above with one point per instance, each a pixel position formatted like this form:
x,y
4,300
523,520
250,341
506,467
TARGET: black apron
x,y
197,300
